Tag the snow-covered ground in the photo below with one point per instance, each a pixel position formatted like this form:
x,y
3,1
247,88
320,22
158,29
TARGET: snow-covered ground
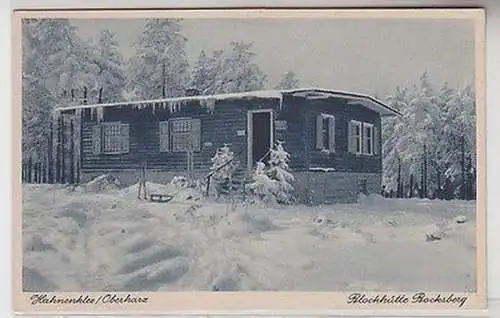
x,y
108,240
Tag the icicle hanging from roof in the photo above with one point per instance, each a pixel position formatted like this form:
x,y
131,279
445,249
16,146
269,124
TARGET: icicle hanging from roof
x,y
209,103
55,114
78,114
281,101
100,114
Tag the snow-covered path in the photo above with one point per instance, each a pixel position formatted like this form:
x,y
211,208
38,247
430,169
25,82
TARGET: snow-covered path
x,y
76,241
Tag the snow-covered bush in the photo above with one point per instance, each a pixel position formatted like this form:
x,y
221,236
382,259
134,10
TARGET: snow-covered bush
x,y
102,183
262,188
179,182
280,173
222,170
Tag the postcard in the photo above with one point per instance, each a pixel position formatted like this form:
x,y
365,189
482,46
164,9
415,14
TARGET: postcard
x,y
257,160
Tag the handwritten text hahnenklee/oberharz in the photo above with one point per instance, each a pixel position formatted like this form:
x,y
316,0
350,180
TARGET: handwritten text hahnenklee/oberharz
x,y
417,298
47,299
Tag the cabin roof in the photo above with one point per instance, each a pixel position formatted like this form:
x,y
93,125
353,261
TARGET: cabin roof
x,y
308,93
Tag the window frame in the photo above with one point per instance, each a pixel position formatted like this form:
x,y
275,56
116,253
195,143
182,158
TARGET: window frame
x,y
370,127
328,135
193,128
359,136
116,126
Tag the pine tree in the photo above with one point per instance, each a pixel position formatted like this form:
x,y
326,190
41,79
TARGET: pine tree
x,y
427,138
55,62
228,71
110,77
288,81
262,186
280,172
222,169
159,67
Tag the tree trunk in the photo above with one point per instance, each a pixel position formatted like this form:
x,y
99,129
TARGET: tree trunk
x,y
438,183
85,94
99,98
63,152
71,153
399,190
462,150
164,79
424,184
411,186
50,176
58,151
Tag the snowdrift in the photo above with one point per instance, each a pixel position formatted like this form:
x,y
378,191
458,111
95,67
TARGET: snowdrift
x,y
107,240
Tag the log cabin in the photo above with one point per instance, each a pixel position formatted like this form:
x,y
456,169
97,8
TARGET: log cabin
x,y
333,137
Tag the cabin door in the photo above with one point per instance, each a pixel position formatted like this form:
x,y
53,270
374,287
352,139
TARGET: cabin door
x,y
260,135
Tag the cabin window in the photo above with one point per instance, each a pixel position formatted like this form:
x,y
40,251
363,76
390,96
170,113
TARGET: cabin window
x,y
363,138
367,139
325,132
111,138
355,140
180,135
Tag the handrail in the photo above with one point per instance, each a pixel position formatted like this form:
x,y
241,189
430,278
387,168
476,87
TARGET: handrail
x,y
266,154
225,163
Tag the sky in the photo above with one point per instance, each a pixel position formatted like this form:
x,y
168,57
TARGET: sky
x,y
360,55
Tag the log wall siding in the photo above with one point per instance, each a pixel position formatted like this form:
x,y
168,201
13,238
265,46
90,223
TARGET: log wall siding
x,y
217,128
341,159
221,127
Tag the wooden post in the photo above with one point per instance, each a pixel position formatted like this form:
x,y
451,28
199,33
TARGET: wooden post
x,y
142,183
208,186
71,153
50,176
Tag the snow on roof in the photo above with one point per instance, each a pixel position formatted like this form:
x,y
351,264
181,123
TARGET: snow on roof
x,y
208,100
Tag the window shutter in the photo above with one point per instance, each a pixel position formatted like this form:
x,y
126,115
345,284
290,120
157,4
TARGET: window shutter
x,y
196,134
375,141
319,132
125,140
331,133
351,139
96,139
164,136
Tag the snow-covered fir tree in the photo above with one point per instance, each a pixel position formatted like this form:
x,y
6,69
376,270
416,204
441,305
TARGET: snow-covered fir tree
x,y
228,71
262,187
110,78
159,67
280,172
425,143
288,81
57,65
223,167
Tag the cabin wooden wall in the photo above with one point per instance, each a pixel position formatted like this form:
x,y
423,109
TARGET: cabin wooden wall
x,y
221,127
341,159
217,128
